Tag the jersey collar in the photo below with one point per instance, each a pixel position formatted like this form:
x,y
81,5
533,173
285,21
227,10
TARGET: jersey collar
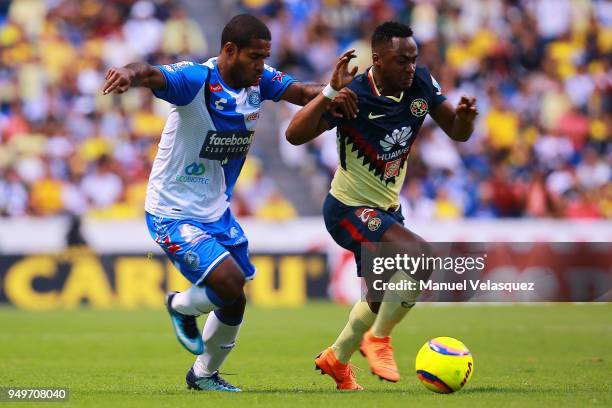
x,y
377,92
226,86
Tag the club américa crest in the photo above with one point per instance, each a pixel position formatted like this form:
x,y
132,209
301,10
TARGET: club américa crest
x,y
419,107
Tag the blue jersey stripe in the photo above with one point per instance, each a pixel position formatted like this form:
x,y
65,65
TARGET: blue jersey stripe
x,y
231,170
230,119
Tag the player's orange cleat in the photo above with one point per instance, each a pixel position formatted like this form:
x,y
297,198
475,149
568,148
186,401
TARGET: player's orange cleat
x,y
342,374
379,353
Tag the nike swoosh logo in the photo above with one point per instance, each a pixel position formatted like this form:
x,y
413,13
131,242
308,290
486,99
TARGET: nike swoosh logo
x,y
372,116
191,344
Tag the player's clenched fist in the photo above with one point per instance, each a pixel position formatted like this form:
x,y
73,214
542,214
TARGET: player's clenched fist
x,y
118,80
344,105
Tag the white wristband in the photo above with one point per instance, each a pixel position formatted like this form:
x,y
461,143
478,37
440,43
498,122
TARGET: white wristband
x,y
329,92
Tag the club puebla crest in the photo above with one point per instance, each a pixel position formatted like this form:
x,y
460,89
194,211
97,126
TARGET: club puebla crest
x,y
254,99
419,107
192,260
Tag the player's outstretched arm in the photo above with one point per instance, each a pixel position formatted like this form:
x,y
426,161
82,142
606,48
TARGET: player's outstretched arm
x,y
119,80
457,123
344,105
308,122
300,93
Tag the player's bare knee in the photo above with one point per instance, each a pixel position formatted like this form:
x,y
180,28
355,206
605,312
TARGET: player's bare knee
x,y
237,308
232,314
235,284
227,280
240,303
233,288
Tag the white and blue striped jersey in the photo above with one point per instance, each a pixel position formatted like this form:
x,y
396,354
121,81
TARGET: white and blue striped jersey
x,y
205,140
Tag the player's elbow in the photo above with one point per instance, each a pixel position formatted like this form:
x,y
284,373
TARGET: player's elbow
x,y
459,135
294,136
462,138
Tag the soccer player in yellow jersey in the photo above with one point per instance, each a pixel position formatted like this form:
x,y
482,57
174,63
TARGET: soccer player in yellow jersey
x,y
394,95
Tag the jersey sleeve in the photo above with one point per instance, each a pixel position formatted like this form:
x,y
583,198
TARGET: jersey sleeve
x,y
183,81
437,97
274,83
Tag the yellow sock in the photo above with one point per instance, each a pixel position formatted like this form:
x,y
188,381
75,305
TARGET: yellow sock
x,y
360,320
395,306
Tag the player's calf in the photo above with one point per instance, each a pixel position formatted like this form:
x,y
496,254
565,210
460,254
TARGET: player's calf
x,y
219,335
221,289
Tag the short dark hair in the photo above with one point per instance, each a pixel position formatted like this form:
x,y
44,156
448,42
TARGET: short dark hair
x,y
388,30
243,28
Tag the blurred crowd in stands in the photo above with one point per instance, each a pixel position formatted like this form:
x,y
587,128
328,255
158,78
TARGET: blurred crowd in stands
x,y
541,70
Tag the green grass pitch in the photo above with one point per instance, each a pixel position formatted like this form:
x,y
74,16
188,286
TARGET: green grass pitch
x,y
544,355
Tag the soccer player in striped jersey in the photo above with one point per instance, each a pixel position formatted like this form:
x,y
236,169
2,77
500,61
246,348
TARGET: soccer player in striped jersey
x,y
394,96
210,127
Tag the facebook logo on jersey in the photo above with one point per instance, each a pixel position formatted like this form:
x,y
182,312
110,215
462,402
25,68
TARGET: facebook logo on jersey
x,y
226,145
192,173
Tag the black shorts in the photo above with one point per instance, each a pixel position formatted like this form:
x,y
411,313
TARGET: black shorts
x,y
352,226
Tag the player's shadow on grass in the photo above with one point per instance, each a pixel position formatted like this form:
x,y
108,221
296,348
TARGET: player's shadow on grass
x,y
494,389
325,391
469,390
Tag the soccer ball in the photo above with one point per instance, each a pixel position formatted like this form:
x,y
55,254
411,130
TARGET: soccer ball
x,y
444,365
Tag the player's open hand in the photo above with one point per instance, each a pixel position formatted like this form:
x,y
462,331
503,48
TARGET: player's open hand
x,y
466,109
118,80
344,105
341,76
